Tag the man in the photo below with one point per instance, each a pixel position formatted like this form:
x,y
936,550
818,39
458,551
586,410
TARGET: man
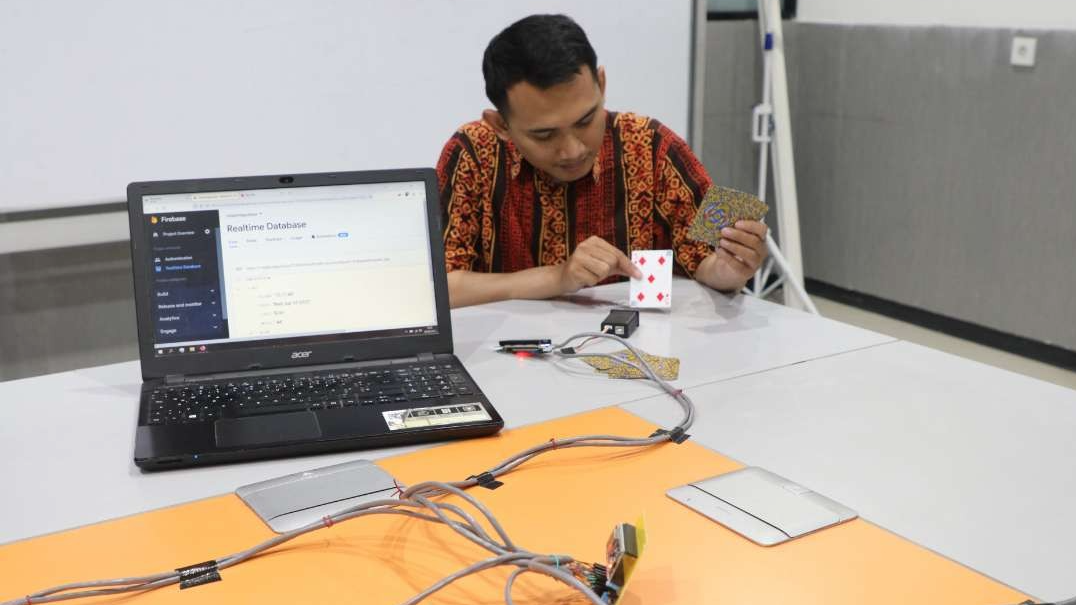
x,y
550,192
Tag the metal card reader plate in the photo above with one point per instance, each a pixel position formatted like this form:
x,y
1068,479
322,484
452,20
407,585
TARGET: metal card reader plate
x,y
293,501
761,506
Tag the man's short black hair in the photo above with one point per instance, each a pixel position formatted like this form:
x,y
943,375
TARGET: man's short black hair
x,y
542,50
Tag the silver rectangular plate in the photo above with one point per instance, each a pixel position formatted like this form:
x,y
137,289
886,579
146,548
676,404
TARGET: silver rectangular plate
x,y
292,501
761,506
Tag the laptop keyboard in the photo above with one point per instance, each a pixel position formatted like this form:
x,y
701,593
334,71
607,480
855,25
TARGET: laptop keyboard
x,y
328,390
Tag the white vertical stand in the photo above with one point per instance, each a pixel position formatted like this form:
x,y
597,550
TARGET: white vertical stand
x,y
698,77
772,122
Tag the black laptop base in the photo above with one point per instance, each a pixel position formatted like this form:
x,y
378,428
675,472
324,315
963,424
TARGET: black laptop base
x,y
270,414
320,447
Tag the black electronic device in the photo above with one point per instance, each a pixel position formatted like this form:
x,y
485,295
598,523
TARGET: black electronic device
x,y
295,314
621,322
538,346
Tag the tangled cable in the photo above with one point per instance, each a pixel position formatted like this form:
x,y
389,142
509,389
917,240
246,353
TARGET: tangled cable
x,y
418,502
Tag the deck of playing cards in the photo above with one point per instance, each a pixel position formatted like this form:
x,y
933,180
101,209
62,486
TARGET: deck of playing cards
x,y
722,207
654,290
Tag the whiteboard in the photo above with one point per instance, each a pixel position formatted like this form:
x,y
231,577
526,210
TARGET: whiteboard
x,y
1007,14
100,93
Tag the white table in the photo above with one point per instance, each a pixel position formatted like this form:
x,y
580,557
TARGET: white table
x,y
67,438
715,336
975,463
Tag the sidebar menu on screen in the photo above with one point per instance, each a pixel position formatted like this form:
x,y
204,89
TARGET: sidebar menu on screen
x,y
186,297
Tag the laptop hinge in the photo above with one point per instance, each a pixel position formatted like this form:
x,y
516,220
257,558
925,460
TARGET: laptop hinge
x,y
174,379
425,356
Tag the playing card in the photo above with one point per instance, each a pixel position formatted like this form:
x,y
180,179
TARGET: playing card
x,y
665,367
721,207
654,290
601,364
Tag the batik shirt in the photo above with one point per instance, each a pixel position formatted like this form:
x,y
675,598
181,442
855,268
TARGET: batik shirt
x,y
500,214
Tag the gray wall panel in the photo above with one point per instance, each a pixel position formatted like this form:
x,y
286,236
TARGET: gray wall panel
x,y
66,309
930,171
733,86
733,80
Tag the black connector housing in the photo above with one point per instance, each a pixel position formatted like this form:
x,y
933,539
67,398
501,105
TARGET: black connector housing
x,y
538,346
621,322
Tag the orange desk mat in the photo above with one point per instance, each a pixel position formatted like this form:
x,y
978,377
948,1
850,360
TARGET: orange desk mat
x,y
563,502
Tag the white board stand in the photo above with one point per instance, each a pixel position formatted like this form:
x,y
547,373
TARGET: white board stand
x,y
772,123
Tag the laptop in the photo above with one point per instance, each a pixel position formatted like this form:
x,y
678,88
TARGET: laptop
x,y
295,314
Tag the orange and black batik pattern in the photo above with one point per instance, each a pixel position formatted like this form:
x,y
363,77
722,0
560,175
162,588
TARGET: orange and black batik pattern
x,y
500,214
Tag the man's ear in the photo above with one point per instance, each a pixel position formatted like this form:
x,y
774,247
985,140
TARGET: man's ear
x,y
496,122
601,79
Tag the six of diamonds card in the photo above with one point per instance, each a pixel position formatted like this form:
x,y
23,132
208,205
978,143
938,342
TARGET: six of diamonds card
x,y
655,288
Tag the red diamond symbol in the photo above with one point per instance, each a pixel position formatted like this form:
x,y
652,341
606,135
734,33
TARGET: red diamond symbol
x,y
661,297
642,260
640,297
661,260
650,279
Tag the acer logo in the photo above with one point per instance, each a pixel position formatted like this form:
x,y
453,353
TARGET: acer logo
x,y
301,354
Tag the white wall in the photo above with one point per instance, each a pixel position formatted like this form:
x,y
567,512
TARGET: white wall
x,y
1016,14
97,94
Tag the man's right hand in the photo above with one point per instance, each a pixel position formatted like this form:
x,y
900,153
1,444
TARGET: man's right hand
x,y
594,260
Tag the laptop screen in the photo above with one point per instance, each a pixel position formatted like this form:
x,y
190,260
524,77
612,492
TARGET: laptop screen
x,y
235,269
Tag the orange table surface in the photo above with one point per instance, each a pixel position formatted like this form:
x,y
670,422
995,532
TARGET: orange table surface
x,y
566,501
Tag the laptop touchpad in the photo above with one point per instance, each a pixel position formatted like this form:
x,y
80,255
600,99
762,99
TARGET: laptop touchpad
x,y
264,430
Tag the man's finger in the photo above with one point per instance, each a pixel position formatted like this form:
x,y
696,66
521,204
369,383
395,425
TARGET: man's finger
x,y
585,276
749,255
612,255
738,266
755,227
600,268
621,262
746,238
605,255
625,267
618,265
599,259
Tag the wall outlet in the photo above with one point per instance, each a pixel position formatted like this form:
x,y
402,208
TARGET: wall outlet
x,y
1023,51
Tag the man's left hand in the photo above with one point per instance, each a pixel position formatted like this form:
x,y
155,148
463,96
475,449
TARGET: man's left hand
x,y
739,254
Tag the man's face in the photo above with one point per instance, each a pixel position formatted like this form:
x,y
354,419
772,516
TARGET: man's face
x,y
558,130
